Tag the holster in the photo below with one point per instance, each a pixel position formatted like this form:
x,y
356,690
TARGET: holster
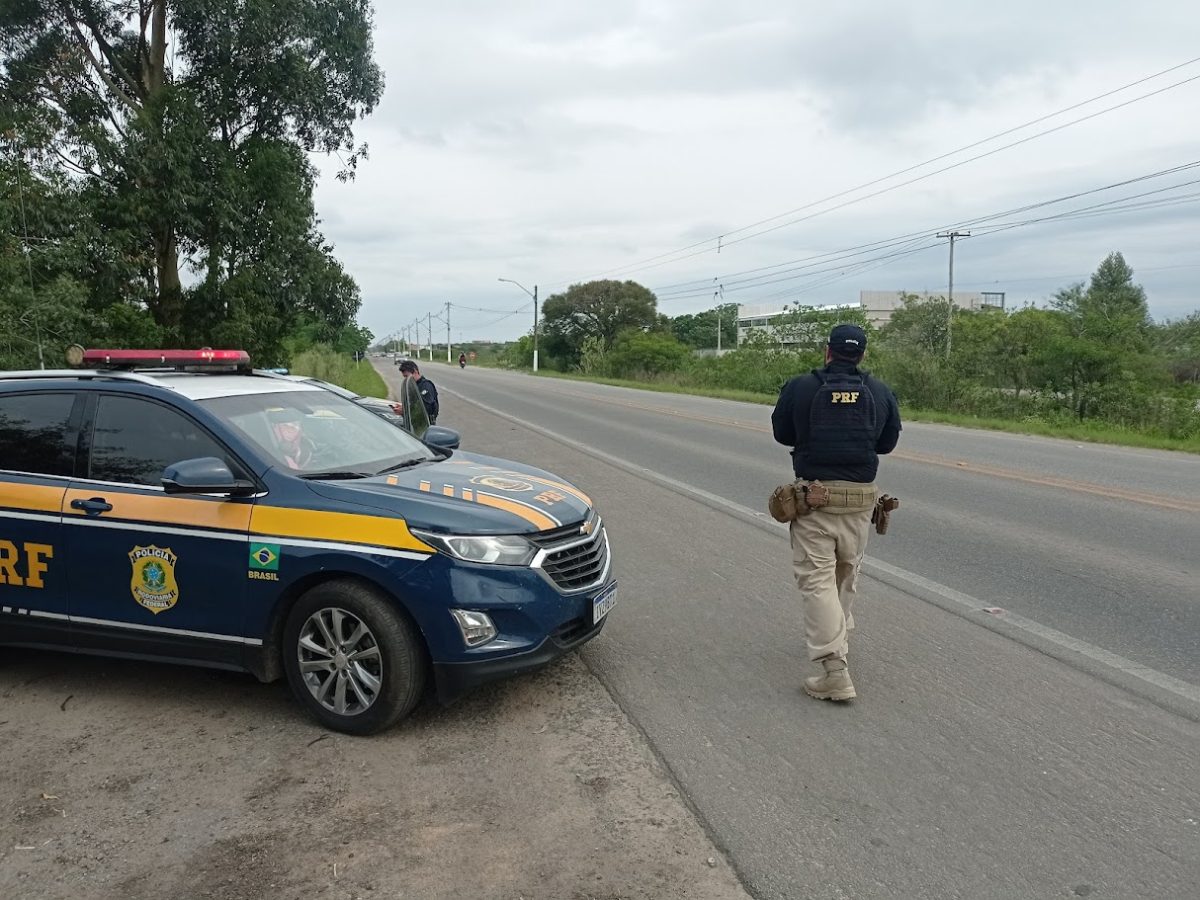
x,y
882,513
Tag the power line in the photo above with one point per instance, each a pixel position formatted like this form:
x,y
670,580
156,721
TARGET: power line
x,y
971,159
1012,281
482,310
1173,170
889,189
675,254
442,316
834,274
850,272
684,290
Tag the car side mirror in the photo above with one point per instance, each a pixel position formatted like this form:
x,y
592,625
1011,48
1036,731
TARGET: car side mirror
x,y
206,475
441,437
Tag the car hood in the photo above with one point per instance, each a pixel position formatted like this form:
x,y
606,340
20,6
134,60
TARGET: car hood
x,y
468,494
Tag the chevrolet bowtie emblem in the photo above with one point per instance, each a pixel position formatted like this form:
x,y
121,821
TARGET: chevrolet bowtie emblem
x,y
586,527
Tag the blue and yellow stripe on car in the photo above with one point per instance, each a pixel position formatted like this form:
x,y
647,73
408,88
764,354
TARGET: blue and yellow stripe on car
x,y
534,516
367,531
33,498
234,520
154,508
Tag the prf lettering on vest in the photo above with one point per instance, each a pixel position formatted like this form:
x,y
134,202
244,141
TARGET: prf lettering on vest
x,y
35,563
845,396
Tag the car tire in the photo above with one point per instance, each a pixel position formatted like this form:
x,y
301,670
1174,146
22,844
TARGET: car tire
x,y
352,658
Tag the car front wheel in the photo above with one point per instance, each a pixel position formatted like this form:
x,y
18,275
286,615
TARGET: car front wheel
x,y
352,658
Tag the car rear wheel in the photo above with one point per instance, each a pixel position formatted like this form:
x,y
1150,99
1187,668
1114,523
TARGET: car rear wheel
x,y
352,658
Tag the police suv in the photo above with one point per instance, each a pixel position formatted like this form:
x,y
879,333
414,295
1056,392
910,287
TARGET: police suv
x,y
174,505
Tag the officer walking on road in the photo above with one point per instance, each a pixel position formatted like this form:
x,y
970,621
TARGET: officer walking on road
x,y
429,395
838,420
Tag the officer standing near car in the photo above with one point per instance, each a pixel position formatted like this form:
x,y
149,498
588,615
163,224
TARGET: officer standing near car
x,y
429,395
838,420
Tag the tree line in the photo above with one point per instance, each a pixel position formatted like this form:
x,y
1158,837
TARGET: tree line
x,y
1093,355
158,194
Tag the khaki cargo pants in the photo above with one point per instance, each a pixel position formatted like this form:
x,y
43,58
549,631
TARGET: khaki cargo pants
x,y
828,546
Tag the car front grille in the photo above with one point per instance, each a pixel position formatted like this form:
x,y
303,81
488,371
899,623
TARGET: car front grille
x,y
572,560
570,632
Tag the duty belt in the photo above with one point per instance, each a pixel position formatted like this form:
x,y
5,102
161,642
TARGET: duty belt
x,y
843,499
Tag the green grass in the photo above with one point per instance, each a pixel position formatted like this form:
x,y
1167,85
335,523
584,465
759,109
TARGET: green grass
x,y
363,379
322,362
663,387
1088,432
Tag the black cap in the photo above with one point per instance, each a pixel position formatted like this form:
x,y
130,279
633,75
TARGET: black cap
x,y
408,366
847,340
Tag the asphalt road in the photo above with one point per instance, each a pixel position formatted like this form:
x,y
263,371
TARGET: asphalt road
x,y
973,765
1101,543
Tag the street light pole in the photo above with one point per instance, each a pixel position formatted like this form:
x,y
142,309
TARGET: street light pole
x,y
534,295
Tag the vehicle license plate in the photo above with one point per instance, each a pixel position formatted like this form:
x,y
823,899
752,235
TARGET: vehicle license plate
x,y
603,603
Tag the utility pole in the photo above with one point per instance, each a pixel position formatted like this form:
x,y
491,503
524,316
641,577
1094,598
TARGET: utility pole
x,y
447,331
429,328
950,304
719,299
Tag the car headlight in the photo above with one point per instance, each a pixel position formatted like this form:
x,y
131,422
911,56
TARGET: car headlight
x,y
497,550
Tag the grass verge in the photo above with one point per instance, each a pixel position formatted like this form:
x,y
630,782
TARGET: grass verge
x,y
363,379
324,363
1095,433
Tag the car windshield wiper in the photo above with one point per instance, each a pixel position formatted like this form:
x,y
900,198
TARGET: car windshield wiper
x,y
407,464
334,476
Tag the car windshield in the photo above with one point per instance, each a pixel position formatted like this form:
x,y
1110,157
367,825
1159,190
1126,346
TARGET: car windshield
x,y
317,432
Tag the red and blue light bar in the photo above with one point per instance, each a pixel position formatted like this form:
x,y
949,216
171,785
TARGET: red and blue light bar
x,y
113,359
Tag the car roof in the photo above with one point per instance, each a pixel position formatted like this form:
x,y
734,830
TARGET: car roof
x,y
311,379
193,385
208,387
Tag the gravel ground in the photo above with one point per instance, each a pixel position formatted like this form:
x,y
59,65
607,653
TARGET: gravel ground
x,y
133,780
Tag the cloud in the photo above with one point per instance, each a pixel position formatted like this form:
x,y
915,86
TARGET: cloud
x,y
556,142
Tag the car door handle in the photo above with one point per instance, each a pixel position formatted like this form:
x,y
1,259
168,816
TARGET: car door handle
x,y
93,506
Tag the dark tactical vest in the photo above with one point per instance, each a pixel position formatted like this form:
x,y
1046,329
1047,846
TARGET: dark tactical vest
x,y
841,423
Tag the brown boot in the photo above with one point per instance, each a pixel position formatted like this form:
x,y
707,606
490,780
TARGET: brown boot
x,y
835,684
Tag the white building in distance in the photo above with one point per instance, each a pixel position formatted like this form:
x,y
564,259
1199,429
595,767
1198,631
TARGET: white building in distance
x,y
878,306
762,316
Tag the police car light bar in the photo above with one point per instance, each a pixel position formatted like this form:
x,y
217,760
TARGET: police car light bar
x,y
112,359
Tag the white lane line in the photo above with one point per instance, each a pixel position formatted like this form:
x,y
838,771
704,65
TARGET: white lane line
x,y
1070,648
1060,639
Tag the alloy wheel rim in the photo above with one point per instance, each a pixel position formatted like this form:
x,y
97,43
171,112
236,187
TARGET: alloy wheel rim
x,y
340,661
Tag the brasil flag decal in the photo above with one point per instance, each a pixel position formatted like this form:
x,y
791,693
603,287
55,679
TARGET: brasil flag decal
x,y
264,557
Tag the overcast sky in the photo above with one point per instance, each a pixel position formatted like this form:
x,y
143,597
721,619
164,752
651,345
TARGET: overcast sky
x,y
556,142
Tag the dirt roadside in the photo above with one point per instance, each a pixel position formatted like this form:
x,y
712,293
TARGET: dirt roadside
x,y
130,780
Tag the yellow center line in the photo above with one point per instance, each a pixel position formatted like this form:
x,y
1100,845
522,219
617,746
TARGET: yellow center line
x,y
1160,501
